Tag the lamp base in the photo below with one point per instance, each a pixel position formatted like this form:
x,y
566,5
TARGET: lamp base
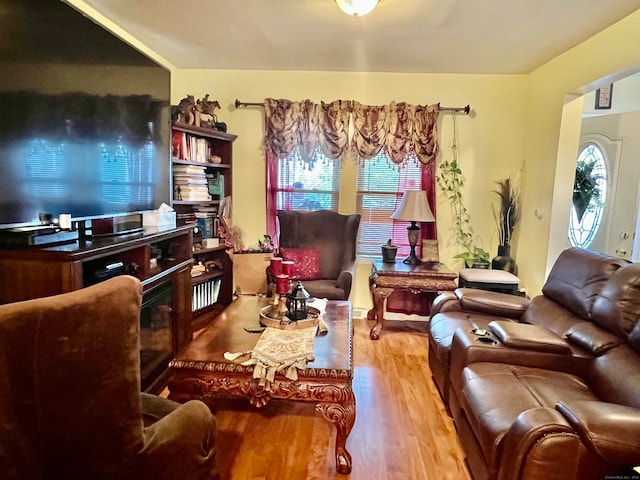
x,y
412,259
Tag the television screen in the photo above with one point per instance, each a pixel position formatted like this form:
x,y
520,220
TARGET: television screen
x,y
85,124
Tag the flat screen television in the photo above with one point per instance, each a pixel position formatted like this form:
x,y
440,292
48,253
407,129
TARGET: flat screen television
x,y
84,118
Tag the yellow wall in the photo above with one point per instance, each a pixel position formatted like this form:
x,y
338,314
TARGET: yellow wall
x,y
550,156
490,139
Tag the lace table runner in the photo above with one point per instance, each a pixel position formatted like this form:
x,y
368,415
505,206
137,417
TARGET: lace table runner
x,y
279,350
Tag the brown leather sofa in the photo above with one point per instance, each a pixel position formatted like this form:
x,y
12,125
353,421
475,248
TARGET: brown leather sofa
x,y
546,389
70,400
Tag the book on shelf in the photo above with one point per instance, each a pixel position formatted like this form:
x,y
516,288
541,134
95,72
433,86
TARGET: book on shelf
x,y
188,194
190,178
189,169
189,147
215,183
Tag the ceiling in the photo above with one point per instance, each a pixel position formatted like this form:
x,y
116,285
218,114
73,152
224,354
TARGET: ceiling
x,y
431,36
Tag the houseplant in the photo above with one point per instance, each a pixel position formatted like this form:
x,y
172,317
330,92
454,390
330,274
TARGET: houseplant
x,y
507,215
585,187
451,181
476,257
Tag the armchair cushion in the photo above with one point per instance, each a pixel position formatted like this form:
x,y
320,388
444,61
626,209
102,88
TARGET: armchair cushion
x,y
306,262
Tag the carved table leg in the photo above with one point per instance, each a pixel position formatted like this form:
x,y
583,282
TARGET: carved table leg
x,y
343,416
379,295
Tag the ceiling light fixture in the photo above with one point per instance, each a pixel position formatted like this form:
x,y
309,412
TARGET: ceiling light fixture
x,y
357,8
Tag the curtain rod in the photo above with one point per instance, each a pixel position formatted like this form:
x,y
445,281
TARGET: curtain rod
x,y
465,109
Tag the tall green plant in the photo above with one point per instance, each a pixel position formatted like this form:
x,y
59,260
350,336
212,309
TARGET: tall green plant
x,y
451,181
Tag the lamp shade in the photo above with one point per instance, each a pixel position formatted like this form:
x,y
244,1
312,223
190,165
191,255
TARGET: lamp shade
x,y
357,8
414,207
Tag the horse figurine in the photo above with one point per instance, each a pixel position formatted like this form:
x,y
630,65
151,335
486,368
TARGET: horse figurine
x,y
186,110
208,108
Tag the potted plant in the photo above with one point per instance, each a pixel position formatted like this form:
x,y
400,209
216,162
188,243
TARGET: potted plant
x,y
389,252
507,215
475,258
586,187
451,182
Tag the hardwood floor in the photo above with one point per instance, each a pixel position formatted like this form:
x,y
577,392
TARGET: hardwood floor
x,y
402,430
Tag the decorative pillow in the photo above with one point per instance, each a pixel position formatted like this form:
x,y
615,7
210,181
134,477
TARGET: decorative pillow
x,y
306,262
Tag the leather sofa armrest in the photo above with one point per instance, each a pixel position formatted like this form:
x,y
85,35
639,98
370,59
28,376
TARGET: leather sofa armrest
x,y
181,441
524,335
609,430
492,303
531,429
445,302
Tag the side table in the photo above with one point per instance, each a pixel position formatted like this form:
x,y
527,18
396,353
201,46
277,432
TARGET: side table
x,y
387,277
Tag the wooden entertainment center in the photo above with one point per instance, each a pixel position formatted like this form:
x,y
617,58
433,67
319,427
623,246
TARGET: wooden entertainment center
x,y
160,258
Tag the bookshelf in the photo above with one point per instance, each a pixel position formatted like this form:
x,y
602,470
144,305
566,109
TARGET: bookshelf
x,y
202,160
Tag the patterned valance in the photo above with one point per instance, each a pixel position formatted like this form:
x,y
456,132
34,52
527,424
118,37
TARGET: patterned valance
x,y
401,130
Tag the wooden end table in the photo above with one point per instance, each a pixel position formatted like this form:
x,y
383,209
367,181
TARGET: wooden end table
x,y
201,371
387,277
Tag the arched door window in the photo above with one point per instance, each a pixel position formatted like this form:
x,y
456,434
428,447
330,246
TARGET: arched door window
x,y
589,195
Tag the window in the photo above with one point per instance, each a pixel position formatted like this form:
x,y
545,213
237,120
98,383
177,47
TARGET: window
x,y
583,229
380,186
308,186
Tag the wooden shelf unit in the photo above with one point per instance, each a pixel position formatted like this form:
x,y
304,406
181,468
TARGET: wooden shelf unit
x,y
213,290
34,272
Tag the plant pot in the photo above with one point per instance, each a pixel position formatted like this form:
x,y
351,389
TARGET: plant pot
x,y
504,261
480,264
389,253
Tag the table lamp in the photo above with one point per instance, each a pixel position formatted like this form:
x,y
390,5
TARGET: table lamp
x,y
414,207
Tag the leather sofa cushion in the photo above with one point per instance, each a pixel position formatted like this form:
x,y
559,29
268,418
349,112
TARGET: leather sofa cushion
x,y
546,313
617,308
495,394
533,337
577,277
592,338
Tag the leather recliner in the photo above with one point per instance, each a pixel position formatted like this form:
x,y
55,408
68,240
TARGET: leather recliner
x,y
554,394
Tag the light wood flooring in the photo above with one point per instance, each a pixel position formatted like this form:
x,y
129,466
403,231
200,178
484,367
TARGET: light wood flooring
x,y
401,431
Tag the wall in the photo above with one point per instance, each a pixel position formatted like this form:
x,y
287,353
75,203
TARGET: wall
x,y
490,139
554,111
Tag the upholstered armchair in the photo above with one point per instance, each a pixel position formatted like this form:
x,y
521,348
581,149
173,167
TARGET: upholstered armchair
x,y
323,246
70,401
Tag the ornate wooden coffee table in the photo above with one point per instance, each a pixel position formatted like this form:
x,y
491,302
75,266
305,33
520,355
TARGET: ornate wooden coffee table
x,y
201,371
387,277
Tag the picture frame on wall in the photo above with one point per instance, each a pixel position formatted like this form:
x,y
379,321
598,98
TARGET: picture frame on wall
x,y
604,97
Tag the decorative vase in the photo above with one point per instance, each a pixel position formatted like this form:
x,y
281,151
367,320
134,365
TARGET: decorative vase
x,y
504,261
389,253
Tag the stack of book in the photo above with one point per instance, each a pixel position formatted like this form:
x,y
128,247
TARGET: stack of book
x,y
190,183
207,220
